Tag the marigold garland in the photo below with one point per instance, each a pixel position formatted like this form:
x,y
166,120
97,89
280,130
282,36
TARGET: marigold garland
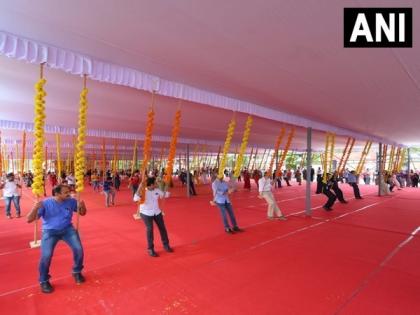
x,y
172,147
81,141
226,147
286,149
147,146
244,144
38,151
22,161
276,149
58,143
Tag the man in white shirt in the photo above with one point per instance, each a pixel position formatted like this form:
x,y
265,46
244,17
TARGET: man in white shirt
x,y
264,188
11,193
149,212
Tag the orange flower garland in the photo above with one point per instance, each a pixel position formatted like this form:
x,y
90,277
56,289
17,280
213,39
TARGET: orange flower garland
x,y
147,147
22,161
286,149
276,149
172,147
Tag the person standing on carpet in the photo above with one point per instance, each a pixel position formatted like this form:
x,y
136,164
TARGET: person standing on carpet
x,y
149,212
56,213
352,181
11,193
265,185
221,199
109,191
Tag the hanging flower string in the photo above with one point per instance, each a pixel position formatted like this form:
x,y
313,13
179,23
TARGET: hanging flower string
x,y
276,149
81,139
147,147
39,124
286,149
172,147
244,144
230,131
22,161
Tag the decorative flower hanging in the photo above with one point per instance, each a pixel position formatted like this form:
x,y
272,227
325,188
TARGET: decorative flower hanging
x,y
244,144
38,151
226,147
147,148
81,141
172,147
276,149
286,149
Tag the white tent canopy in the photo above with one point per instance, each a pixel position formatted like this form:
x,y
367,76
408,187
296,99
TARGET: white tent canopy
x,y
281,61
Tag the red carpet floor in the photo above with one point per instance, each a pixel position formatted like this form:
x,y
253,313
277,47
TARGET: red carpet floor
x,y
361,258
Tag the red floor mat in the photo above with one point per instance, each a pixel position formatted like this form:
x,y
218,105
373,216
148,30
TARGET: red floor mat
x,y
300,266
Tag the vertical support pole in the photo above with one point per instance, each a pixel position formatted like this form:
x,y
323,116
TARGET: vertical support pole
x,y
380,169
187,162
308,210
408,168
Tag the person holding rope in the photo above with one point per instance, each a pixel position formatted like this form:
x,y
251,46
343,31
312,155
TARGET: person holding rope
x,y
265,185
150,211
326,190
56,213
352,181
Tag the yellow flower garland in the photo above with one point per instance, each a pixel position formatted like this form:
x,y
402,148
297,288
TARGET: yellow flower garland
x,y
81,141
244,144
172,147
38,151
226,147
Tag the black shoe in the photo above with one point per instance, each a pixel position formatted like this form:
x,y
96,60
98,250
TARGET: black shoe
x,y
327,208
152,253
237,229
168,249
78,277
359,197
46,287
229,231
344,201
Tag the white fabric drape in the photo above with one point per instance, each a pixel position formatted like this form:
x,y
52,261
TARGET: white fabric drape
x,y
36,52
29,127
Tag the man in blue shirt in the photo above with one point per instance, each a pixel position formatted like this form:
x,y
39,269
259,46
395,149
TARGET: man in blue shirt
x,y
221,199
56,213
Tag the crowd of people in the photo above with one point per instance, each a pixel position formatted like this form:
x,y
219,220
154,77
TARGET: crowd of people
x,y
56,211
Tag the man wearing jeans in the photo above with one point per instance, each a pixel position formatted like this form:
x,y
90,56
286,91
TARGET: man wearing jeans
x,y
221,199
149,212
56,213
264,189
11,193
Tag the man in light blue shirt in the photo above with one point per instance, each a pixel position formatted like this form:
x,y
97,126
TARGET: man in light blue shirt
x,y
352,180
221,199
56,213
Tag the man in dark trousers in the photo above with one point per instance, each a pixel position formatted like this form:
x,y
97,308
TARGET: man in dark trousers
x,y
149,212
337,191
56,213
352,181
326,190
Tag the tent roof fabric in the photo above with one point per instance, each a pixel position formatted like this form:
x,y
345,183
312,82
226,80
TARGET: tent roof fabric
x,y
287,57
